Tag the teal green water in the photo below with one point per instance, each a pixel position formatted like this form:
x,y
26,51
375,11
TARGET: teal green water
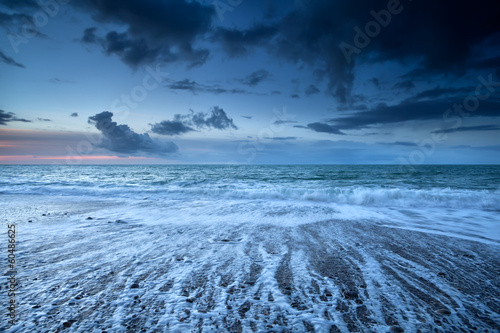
x,y
441,185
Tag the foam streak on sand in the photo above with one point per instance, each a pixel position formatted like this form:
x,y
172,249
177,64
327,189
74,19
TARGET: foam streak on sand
x,y
337,275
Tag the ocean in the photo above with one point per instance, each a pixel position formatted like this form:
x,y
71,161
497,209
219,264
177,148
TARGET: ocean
x,y
240,248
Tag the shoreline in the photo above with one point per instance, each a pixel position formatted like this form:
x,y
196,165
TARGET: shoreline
x,y
331,276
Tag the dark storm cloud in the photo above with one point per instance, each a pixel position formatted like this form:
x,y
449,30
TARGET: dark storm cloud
x,y
493,62
281,122
282,138
422,110
441,34
352,107
185,84
8,19
323,128
74,114
20,4
256,77
375,81
398,143
241,42
9,61
133,52
469,129
6,117
311,90
404,85
195,87
217,118
121,139
89,35
172,127
58,80
156,30
439,92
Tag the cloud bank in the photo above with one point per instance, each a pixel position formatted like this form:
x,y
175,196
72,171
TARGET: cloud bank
x,y
156,31
121,139
181,124
6,117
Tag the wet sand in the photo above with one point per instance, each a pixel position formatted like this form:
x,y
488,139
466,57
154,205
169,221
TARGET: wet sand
x,y
135,275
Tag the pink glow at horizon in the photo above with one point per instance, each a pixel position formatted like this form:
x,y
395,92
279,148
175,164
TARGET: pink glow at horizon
x,y
70,160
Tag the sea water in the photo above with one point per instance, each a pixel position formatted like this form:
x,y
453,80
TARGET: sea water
x,y
459,200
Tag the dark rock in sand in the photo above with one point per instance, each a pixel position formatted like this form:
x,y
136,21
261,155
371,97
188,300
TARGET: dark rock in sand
x,y
89,218
396,329
67,324
134,286
441,274
351,294
244,308
444,312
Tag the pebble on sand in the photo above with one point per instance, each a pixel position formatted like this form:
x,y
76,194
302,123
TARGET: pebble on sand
x,y
134,286
444,312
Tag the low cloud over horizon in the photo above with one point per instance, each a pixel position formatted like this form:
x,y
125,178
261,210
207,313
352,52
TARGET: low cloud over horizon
x,y
121,139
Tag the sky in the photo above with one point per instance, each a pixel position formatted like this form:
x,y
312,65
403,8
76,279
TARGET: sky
x,y
249,82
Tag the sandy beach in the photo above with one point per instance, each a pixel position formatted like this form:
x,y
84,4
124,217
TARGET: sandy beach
x,y
83,269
